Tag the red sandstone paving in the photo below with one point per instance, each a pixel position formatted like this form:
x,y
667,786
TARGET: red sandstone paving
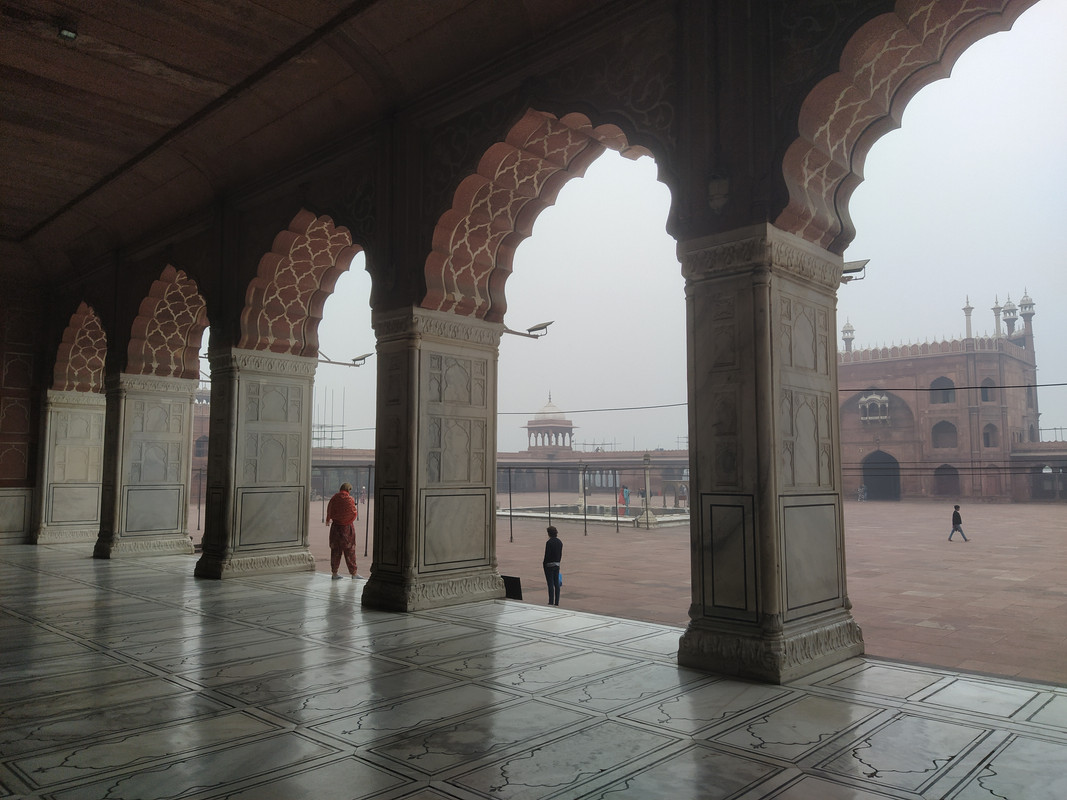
x,y
996,604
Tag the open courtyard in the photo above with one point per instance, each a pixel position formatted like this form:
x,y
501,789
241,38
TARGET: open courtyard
x,y
996,604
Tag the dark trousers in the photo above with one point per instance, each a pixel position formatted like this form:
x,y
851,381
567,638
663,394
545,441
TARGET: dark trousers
x,y
552,577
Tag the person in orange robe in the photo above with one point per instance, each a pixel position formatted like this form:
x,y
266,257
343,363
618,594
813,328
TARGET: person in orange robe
x,y
342,512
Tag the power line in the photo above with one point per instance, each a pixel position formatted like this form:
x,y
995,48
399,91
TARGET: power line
x,y
951,388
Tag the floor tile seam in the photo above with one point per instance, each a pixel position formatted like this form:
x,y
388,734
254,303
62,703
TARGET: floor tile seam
x,y
964,717
941,669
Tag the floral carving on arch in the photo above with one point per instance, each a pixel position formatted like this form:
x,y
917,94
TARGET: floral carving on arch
x,y
885,63
283,304
494,209
166,335
80,358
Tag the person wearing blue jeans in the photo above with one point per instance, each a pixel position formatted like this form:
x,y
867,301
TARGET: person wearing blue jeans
x,y
553,554
957,524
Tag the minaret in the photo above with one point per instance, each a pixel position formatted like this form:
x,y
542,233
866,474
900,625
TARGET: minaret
x,y
848,333
1010,314
967,309
996,313
1026,311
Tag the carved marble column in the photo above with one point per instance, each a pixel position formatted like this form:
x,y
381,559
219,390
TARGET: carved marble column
x,y
259,464
145,485
769,598
68,506
434,520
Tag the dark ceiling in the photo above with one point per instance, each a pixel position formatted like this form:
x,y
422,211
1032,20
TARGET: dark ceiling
x,y
158,105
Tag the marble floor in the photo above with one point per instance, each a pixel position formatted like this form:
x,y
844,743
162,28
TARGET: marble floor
x,y
131,679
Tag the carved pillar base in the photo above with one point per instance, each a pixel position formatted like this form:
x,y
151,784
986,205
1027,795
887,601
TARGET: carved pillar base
x,y
65,535
393,593
128,546
778,657
212,566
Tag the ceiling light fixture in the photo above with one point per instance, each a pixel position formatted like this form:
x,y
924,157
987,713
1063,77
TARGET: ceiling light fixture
x,y
67,29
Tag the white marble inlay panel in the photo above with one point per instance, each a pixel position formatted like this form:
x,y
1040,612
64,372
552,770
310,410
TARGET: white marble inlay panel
x,y
571,761
302,679
459,647
887,681
719,776
152,509
1026,768
625,688
701,707
508,658
74,504
796,729
335,779
221,767
270,516
1052,712
908,753
982,697
539,678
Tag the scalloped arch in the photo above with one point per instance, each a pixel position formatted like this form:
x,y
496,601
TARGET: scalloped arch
x,y
166,335
882,67
283,304
494,209
82,351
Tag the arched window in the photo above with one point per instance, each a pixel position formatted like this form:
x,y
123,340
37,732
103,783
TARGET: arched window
x,y
943,435
989,391
990,436
874,407
942,390
947,481
200,450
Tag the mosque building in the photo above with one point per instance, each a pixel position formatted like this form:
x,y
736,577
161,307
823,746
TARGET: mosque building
x,y
947,419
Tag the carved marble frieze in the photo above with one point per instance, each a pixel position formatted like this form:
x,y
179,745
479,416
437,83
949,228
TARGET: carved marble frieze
x,y
136,384
760,246
259,361
439,324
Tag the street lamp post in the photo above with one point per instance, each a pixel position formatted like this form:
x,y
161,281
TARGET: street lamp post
x,y
585,505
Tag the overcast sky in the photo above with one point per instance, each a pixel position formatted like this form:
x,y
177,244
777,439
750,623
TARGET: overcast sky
x,y
968,198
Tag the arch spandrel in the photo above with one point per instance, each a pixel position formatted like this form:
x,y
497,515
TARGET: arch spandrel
x,y
284,302
166,334
494,210
82,352
882,67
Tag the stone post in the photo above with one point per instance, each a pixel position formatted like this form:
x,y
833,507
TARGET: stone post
x,y
435,468
147,462
68,505
769,597
259,464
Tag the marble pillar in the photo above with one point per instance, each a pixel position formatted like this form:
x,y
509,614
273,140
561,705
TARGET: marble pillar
x,y
68,505
259,464
144,506
769,597
434,485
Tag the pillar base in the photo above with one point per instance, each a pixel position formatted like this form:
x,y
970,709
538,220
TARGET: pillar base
x,y
211,566
127,547
799,649
391,592
60,535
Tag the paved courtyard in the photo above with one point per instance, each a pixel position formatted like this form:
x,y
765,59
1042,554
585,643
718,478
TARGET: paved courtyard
x,y
996,604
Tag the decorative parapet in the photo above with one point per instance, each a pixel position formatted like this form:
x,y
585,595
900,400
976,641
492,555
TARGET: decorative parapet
x,y
989,344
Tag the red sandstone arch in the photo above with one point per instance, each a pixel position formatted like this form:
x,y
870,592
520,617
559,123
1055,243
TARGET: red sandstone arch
x,y
80,358
165,339
494,209
882,67
284,301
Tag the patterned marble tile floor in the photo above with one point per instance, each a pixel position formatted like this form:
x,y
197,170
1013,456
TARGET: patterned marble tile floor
x,y
131,679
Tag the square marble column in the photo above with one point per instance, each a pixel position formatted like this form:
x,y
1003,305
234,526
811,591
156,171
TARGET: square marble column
x,y
259,464
434,522
769,598
68,506
145,483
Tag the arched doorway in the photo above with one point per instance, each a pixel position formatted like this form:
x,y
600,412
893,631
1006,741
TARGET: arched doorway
x,y
881,476
947,481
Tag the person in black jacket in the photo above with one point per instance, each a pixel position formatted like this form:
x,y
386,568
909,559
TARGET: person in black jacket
x,y
553,554
957,524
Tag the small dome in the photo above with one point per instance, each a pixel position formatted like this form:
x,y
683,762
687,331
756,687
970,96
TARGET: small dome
x,y
848,328
549,411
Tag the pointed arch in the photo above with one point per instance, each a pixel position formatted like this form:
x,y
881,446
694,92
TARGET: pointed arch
x,y
494,210
885,63
82,351
283,304
166,334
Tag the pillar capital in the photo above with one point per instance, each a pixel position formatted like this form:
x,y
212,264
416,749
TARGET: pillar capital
x,y
759,247
407,322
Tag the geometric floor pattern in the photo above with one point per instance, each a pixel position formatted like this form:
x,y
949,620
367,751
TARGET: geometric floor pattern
x,y
132,679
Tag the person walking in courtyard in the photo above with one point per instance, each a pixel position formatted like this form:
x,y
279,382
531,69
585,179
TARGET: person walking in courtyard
x,y
553,555
957,524
342,511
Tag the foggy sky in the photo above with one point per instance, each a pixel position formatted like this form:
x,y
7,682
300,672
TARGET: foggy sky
x,y
967,199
